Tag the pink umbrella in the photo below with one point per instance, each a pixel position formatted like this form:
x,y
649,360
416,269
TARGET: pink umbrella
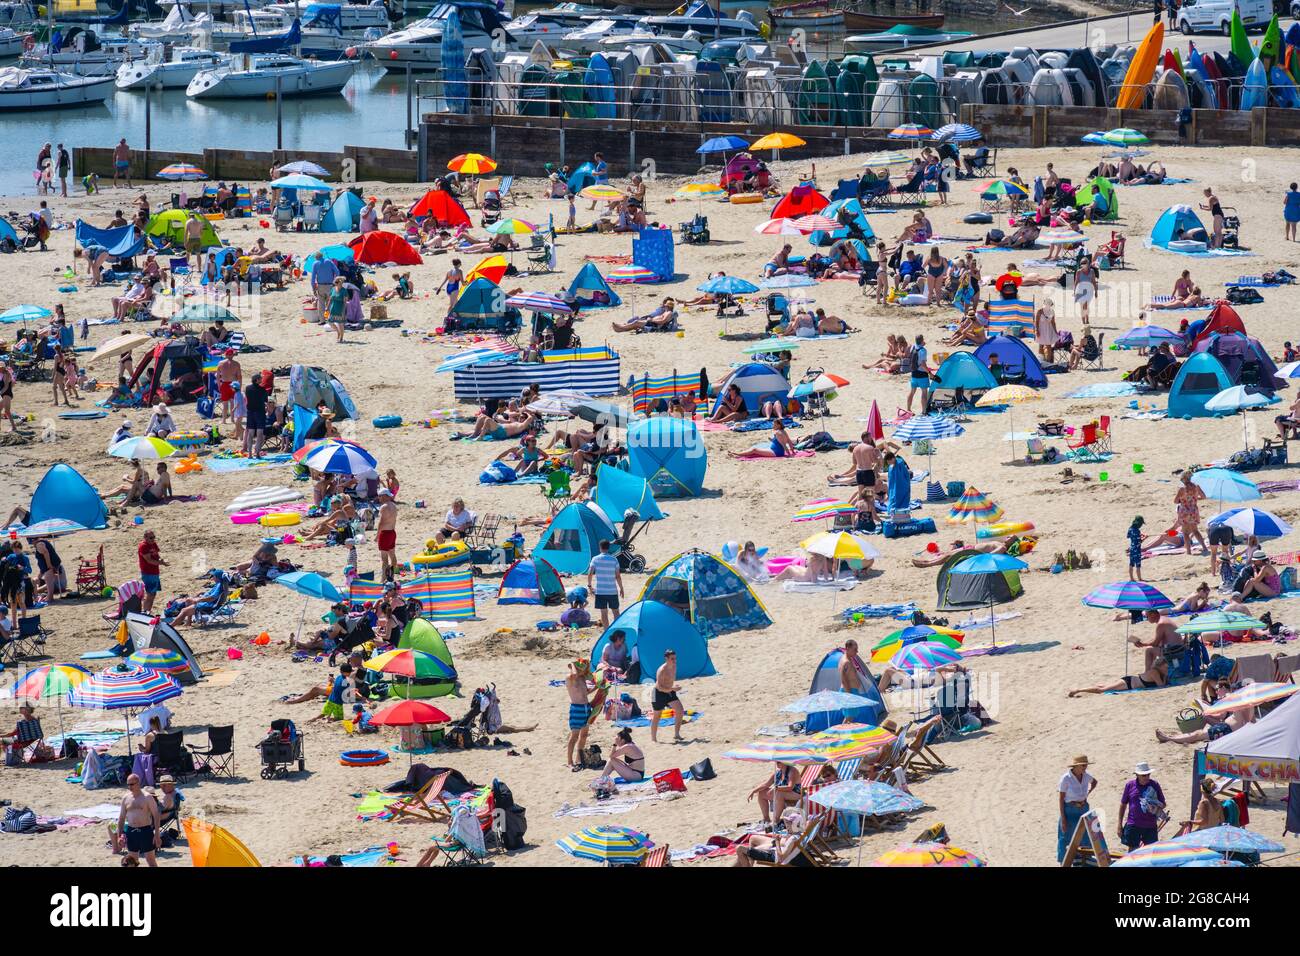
x,y
778,227
875,427
816,223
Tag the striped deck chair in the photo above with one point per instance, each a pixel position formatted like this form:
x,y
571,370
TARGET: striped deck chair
x,y
1011,317
806,843
656,859
893,758
426,805
920,757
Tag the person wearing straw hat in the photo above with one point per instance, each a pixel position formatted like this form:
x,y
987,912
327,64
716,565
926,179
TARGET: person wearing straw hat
x,y
1073,791
1140,808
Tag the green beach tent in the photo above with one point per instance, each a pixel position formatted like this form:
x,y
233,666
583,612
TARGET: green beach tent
x,y
169,226
1103,186
420,635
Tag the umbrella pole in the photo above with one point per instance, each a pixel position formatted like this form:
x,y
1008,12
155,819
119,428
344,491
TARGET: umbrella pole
x,y
1128,631
993,623
1011,413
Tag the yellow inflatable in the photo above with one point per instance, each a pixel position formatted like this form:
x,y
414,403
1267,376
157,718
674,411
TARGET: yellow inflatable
x,y
453,552
742,199
279,519
188,464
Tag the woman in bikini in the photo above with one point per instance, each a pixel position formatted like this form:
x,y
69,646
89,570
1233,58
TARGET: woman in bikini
x,y
779,446
1156,676
7,379
732,406
891,360
626,759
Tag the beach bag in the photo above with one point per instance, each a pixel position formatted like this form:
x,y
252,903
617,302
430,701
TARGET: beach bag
x,y
18,820
703,770
669,781
592,758
514,826
1189,720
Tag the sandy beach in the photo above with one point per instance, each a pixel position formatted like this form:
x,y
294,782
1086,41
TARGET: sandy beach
x,y
998,800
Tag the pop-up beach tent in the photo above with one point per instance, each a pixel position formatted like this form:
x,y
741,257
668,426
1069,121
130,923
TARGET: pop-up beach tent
x,y
1105,189
962,370
800,201
481,299
420,635
651,628
758,383
827,677
1015,357
344,214
145,630
709,592
64,493
669,454
1267,750
573,538
442,207
530,581
958,592
590,290
169,226
619,491
1172,221
378,247
1199,380
120,243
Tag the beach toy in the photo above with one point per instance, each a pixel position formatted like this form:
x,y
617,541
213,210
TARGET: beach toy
x,y
289,539
932,547
419,503
262,639
858,618
1138,467
279,519
386,421
67,288
248,517
139,519
744,199
189,464
1133,404
1004,528
189,438
363,758
1057,569
453,552
1104,476
234,654
393,848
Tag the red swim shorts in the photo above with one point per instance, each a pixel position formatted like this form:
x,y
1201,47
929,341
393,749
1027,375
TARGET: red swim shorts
x,y
387,540
227,391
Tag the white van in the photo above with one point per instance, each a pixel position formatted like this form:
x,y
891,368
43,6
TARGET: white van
x,y
1215,16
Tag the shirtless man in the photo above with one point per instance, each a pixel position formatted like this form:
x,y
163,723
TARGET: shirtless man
x,y
229,378
575,682
386,540
194,241
866,462
138,824
1166,636
665,695
853,673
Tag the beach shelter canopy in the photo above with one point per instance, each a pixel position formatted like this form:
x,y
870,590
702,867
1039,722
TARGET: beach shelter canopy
x,y
827,677
758,382
1172,221
420,635
618,492
1245,360
530,581
962,591
963,370
121,243
147,631
843,210
213,845
1015,357
1102,188
344,214
442,207
709,592
1199,380
651,628
1222,318
169,226
9,234
573,538
64,493
481,299
1267,750
800,201
669,454
378,247
590,290
309,386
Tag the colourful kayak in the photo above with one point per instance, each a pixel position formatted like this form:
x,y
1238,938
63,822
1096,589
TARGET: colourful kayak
x,y
1270,48
1237,42
1140,71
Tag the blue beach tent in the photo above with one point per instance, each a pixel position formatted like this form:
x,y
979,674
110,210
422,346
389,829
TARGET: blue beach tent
x,y
963,370
1015,357
1199,380
758,383
1173,220
651,628
530,581
669,454
64,493
481,299
344,214
709,592
573,538
827,677
590,290
121,243
618,492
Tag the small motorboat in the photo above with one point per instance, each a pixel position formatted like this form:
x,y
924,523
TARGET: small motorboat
x,y
22,89
174,73
258,76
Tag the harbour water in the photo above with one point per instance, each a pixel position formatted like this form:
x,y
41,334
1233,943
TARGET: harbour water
x,y
370,112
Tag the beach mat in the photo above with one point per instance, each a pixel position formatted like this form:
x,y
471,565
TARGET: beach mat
x,y
665,718
1206,254
226,466
748,456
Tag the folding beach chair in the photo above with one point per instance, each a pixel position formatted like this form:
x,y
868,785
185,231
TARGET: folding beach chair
x,y
426,805
507,182
91,579
1086,448
218,758
1092,362
920,756
804,843
656,859
984,162
1254,669
1103,435
558,491
170,755
1287,665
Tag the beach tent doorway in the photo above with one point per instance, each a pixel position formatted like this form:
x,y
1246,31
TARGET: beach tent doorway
x,y
530,581
1016,358
709,592
1199,380
651,628
827,677
573,538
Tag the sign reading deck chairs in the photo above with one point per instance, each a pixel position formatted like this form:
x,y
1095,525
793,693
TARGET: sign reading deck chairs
x,y
444,596
1010,316
594,371
1088,844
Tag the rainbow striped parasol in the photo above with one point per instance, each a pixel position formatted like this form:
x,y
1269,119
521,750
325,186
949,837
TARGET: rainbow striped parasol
x,y
929,854
601,191
408,662
974,505
122,687
925,656
161,659
607,844
1166,853
1128,596
821,508
630,274
888,647
46,681
849,740
1252,695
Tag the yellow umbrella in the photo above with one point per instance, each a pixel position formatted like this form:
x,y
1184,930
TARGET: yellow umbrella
x,y
471,164
840,546
778,141
700,190
601,191
493,268
1009,395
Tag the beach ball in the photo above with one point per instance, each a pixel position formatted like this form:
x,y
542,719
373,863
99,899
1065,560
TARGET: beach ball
x,y
1087,222
264,224
234,654
932,547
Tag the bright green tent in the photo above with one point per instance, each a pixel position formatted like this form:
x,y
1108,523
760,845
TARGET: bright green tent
x,y
420,635
1106,188
169,226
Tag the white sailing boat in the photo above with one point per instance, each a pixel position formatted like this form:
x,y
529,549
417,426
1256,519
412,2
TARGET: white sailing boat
x,y
167,72
22,89
262,75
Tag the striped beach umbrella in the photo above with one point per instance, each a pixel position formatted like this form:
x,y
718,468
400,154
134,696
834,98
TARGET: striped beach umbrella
x,y
607,844
780,343
601,191
1061,237
505,352
1213,622
182,172
408,662
471,164
512,227
840,546
1003,189
973,505
701,191
51,528
164,660
1128,596
1229,839
925,656
304,166
1252,521
1124,137
815,222
630,273
144,447
776,751
928,428
124,687
1096,138
1252,695
538,302
821,508
778,227
493,268
850,740
340,458
866,798
47,681
821,385
929,854
914,132
1148,337
886,159
1166,853
957,133
1289,370
887,648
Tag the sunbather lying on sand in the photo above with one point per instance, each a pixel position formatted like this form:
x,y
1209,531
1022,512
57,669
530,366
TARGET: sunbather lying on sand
x,y
987,547
1235,720
1155,676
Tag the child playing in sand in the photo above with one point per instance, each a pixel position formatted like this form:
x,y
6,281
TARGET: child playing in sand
x,y
403,289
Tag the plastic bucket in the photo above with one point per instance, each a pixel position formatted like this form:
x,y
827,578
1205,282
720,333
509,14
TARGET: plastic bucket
x,y
310,313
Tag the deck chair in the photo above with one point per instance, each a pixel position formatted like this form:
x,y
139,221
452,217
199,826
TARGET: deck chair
x,y
220,610
91,579
1287,665
984,162
656,859
218,758
1092,363
920,756
558,491
170,755
236,341
803,843
282,217
539,253
894,758
1103,435
507,183
426,805
1254,668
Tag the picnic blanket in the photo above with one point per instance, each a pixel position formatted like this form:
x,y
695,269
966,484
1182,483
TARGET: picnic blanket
x,y
818,587
896,611
225,466
762,425
1104,390
1203,254
665,716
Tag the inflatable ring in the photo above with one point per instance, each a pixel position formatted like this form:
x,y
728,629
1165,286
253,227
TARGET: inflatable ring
x,y
248,517
363,758
387,421
744,199
188,439
280,519
1003,529
450,553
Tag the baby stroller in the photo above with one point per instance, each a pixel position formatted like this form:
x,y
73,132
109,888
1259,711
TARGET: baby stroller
x,y
695,232
1231,228
814,403
628,559
491,207
281,747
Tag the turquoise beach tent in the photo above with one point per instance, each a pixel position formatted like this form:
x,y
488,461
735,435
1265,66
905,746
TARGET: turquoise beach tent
x,y
758,383
481,299
653,628
573,538
827,677
709,592
530,581
590,290
1171,222
344,214
1199,380
963,370
618,492
64,493
7,233
669,454
582,177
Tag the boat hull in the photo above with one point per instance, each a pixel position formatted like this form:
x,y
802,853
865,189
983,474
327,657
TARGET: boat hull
x,y
319,80
91,93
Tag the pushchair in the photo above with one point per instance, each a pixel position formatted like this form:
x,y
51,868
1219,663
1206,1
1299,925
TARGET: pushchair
x,y
1231,228
281,747
695,232
814,403
628,559
491,208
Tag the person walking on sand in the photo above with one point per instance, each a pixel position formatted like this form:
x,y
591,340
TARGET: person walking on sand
x,y
451,282
919,375
1134,536
62,166
575,682
151,564
386,539
665,696
1144,801
338,308
1072,794
138,825
122,163
605,580
1291,211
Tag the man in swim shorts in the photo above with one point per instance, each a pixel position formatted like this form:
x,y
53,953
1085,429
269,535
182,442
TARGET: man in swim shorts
x,y
122,166
386,540
665,696
138,825
575,682
229,376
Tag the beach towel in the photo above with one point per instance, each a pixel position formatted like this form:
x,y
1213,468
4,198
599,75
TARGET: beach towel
x,y
100,811
1204,254
1167,181
516,480
1104,390
225,466
973,623
761,425
818,587
1250,282
749,456
1161,299
896,611
666,717
375,856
